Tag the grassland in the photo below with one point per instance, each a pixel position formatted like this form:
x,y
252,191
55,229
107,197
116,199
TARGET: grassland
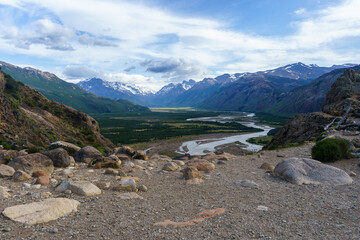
x,y
137,127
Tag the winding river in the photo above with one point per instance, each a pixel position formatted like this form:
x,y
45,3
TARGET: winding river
x,y
201,147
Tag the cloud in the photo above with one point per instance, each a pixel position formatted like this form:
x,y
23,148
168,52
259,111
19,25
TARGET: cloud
x,y
129,69
79,72
86,39
108,34
43,31
174,69
300,11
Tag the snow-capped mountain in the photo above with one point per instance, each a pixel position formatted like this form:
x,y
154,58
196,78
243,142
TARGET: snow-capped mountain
x,y
176,88
114,90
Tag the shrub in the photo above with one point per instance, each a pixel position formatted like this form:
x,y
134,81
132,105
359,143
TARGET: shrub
x,y
330,150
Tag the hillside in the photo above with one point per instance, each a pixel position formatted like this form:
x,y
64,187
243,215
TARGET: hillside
x,y
28,119
66,93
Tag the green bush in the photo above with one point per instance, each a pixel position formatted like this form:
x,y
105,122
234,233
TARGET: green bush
x,y
330,150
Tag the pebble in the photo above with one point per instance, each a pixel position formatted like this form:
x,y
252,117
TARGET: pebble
x,y
142,188
54,230
262,208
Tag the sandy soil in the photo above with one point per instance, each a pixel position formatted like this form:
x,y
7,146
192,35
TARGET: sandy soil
x,y
294,212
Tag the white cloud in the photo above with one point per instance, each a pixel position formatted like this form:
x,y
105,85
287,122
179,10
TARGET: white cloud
x,y
108,34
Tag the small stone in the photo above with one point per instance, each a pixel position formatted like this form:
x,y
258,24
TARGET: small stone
x,y
142,188
4,192
21,176
122,173
103,185
130,195
170,167
6,229
64,185
267,166
128,164
36,186
136,179
68,191
111,171
84,188
194,181
201,165
262,208
221,162
179,162
27,185
246,183
53,182
6,171
54,230
352,174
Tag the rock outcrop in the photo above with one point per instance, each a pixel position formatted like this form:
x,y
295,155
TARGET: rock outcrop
x,y
344,92
28,119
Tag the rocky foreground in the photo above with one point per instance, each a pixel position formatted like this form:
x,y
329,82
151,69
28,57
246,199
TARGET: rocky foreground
x,y
128,196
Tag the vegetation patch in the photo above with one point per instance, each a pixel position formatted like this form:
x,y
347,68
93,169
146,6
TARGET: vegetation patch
x,y
263,141
331,150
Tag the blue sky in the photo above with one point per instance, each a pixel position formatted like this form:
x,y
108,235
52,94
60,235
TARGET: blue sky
x,y
154,42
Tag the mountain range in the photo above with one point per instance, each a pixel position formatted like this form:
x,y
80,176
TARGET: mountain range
x,y
67,93
274,91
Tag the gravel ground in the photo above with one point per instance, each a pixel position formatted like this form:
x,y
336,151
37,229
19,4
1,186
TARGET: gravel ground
x,y
294,212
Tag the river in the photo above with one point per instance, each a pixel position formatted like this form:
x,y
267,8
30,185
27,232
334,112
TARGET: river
x,y
201,147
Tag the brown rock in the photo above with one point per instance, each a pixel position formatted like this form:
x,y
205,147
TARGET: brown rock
x,y
43,180
352,174
21,176
32,162
41,173
191,172
201,165
69,147
267,166
140,155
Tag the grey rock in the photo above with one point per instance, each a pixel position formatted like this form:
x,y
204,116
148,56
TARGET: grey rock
x,y
59,156
309,171
87,154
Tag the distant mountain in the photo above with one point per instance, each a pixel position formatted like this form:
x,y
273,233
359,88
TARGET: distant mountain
x,y
69,94
303,71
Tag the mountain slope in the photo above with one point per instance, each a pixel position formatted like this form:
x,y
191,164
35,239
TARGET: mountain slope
x,y
28,119
66,93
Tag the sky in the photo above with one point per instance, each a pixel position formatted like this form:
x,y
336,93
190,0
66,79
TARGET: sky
x,y
155,42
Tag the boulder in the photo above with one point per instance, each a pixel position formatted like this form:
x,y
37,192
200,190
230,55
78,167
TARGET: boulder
x,y
41,212
171,167
309,171
106,162
201,165
21,176
84,188
59,156
191,172
69,147
87,154
6,171
32,162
